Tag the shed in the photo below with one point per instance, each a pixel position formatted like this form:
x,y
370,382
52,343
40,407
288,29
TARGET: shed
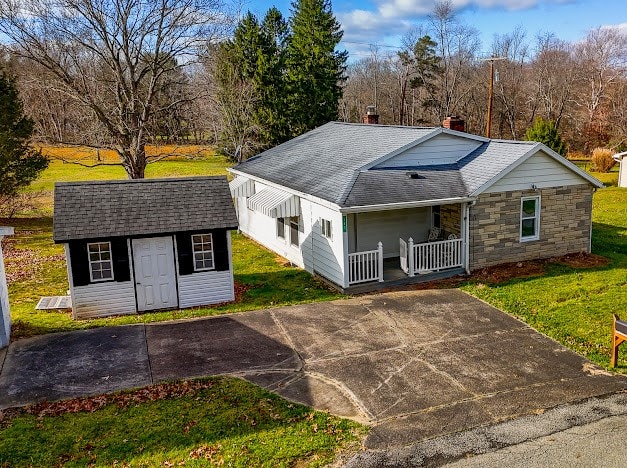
x,y
5,311
140,245
621,158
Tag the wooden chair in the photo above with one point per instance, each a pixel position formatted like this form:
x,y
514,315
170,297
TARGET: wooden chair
x,y
619,335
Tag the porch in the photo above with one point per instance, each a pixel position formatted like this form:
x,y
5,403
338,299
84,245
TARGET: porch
x,y
415,245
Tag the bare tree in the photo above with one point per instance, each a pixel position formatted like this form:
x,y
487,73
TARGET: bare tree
x,y
112,56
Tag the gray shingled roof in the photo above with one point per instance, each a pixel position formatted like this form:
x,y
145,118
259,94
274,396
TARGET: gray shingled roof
x,y
329,162
322,162
90,210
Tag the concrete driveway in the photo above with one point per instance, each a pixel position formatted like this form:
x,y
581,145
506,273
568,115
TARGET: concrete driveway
x,y
414,365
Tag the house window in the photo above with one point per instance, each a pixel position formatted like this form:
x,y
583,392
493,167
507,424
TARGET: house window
x,y
280,228
325,225
436,217
202,246
100,262
530,218
294,220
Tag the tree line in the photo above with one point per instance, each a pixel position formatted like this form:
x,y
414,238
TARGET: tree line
x,y
121,74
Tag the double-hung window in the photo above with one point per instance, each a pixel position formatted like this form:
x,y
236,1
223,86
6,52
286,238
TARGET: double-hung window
x,y
325,226
529,218
294,221
202,246
280,228
100,261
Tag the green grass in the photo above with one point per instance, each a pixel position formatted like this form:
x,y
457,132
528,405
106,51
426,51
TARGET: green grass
x,y
204,422
36,266
575,305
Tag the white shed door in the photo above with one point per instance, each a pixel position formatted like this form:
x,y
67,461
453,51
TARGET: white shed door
x,y
155,273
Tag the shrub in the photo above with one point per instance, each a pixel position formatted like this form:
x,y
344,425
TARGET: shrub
x,y
602,160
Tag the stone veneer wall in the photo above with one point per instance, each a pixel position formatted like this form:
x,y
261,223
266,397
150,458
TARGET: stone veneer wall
x,y
565,218
450,219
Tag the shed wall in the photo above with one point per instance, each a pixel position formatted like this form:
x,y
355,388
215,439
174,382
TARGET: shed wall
x,y
103,299
565,221
5,314
622,173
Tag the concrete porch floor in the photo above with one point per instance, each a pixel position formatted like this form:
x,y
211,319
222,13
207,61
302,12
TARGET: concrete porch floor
x,y
394,276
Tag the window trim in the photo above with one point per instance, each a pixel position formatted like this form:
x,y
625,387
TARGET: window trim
x,y
194,252
326,228
90,261
536,217
280,222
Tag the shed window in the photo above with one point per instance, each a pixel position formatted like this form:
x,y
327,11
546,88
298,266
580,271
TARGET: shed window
x,y
529,218
100,262
325,225
202,246
294,221
280,228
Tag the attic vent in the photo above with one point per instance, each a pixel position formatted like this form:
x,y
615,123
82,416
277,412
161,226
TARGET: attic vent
x,y
414,175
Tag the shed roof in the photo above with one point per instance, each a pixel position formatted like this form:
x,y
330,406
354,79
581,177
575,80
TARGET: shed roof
x,y
335,163
92,210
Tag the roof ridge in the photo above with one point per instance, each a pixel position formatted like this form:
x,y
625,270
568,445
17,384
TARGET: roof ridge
x,y
361,124
143,181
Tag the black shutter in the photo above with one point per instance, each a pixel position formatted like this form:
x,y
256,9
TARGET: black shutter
x,y
121,264
186,257
220,250
79,263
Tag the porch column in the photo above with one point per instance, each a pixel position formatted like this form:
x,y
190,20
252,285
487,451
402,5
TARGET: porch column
x,y
380,260
465,226
410,257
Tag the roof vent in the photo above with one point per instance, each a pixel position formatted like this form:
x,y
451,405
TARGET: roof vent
x,y
414,175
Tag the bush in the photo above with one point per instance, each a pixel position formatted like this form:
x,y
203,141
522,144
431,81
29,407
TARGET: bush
x,y
602,160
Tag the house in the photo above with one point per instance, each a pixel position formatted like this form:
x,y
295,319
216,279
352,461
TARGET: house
x,y
5,312
363,203
139,245
621,158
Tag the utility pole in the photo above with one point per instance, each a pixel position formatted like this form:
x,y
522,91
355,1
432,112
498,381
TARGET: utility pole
x,y
488,126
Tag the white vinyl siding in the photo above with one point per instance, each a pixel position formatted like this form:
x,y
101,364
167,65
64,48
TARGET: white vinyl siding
x,y
529,218
622,172
5,315
388,226
315,253
539,170
103,299
441,149
207,287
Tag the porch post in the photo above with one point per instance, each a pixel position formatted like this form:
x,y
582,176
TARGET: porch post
x,y
345,266
410,254
465,225
380,260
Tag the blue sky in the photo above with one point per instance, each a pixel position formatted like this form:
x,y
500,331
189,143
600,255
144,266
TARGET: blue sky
x,y
385,21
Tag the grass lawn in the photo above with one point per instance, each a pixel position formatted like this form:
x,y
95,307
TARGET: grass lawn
x,y
216,421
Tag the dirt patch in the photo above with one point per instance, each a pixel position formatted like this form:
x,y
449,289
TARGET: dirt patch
x,y
582,260
240,290
507,271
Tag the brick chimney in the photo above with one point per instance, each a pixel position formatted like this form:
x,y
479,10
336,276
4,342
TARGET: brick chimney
x,y
371,116
454,122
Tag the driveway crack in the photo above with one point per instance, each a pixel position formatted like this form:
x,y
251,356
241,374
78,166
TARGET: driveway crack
x,y
288,339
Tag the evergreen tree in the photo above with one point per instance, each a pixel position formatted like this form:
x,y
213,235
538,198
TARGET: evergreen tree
x,y
545,131
19,163
315,69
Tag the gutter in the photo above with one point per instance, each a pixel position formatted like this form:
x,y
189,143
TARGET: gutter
x,y
618,156
401,205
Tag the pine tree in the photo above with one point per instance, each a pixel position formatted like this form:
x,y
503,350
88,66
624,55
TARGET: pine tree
x,y
19,163
545,131
315,69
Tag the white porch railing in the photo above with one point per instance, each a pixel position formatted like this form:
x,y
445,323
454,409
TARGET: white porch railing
x,y
436,256
366,266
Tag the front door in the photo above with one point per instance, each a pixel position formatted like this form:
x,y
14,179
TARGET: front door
x,y
155,273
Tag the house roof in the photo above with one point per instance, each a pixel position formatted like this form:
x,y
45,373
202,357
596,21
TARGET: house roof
x,y
338,162
91,210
